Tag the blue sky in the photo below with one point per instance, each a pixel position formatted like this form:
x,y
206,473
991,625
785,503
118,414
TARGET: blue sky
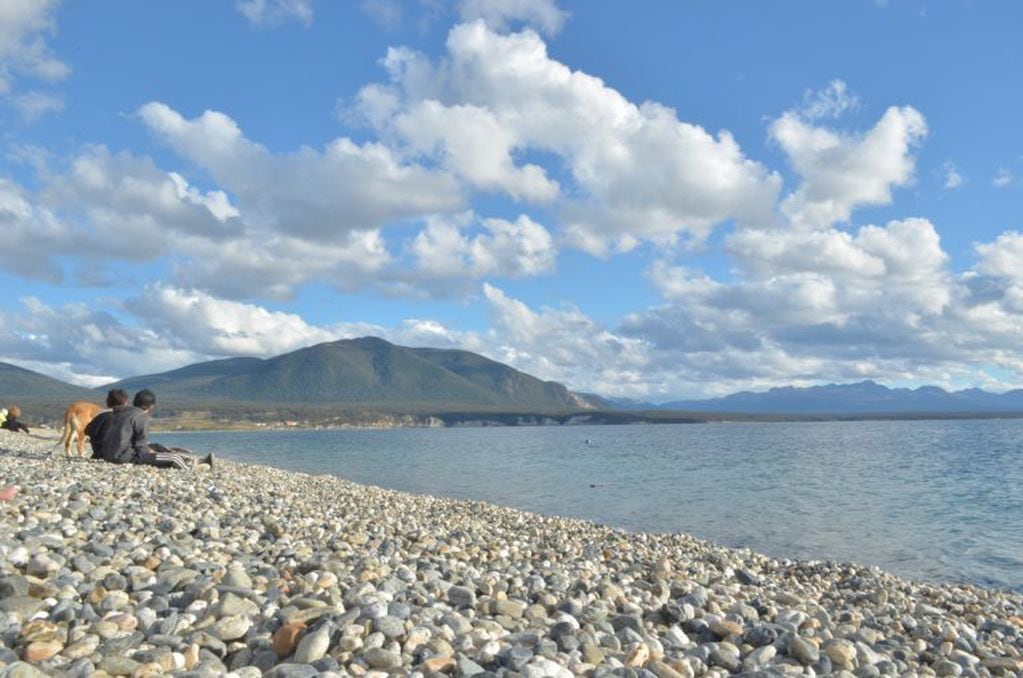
x,y
679,201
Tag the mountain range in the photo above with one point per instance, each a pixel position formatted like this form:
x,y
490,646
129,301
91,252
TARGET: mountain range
x,y
17,383
375,375
861,398
368,372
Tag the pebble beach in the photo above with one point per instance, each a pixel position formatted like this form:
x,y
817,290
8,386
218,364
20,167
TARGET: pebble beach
x,y
247,570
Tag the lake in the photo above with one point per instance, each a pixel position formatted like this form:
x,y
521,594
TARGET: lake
x,y
935,500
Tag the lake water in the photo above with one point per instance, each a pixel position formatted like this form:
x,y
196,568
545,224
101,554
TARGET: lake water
x,y
935,500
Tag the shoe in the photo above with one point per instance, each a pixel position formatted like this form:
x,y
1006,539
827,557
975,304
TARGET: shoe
x,y
208,459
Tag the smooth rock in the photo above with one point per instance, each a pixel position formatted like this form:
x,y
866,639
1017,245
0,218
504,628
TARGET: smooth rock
x,y
313,645
803,651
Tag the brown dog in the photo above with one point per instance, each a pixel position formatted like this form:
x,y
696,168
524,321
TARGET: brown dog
x,y
76,418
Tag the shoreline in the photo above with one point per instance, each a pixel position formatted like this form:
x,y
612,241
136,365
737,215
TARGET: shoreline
x,y
265,572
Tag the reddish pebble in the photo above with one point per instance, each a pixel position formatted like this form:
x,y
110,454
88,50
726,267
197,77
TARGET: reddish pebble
x,y
38,651
287,637
8,493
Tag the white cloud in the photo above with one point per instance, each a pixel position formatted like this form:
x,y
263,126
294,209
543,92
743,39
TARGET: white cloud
x,y
504,248
840,172
317,195
474,144
217,202
898,269
637,171
34,105
833,306
24,27
953,177
1003,177
163,328
544,15
32,235
566,346
124,207
272,266
830,102
216,327
118,212
1003,257
94,345
167,327
271,12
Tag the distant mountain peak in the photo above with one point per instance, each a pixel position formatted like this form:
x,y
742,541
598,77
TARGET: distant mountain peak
x,y
369,371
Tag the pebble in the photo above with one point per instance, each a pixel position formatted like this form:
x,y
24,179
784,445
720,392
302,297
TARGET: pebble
x,y
379,658
313,645
42,649
231,628
252,571
804,651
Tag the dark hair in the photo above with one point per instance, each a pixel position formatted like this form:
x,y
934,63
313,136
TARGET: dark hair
x,y
144,399
117,397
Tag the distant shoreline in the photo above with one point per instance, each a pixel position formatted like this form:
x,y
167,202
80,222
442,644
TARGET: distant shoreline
x,y
465,420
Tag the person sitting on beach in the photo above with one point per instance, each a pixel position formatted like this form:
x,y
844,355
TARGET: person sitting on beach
x,y
11,423
123,437
97,427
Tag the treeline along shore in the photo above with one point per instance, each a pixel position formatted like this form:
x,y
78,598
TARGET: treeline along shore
x,y
178,415
247,570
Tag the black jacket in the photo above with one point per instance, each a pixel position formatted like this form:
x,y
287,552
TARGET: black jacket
x,y
120,435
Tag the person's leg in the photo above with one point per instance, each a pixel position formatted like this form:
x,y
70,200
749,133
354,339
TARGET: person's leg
x,y
165,460
182,453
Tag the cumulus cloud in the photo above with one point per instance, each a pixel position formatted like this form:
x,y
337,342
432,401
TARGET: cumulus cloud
x,y
166,327
900,266
318,195
272,266
841,172
476,146
32,235
272,12
123,206
517,248
117,212
637,171
161,329
217,327
566,345
24,27
1003,257
803,307
93,345
544,15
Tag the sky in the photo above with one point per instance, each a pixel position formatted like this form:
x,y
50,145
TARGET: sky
x,y
654,201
